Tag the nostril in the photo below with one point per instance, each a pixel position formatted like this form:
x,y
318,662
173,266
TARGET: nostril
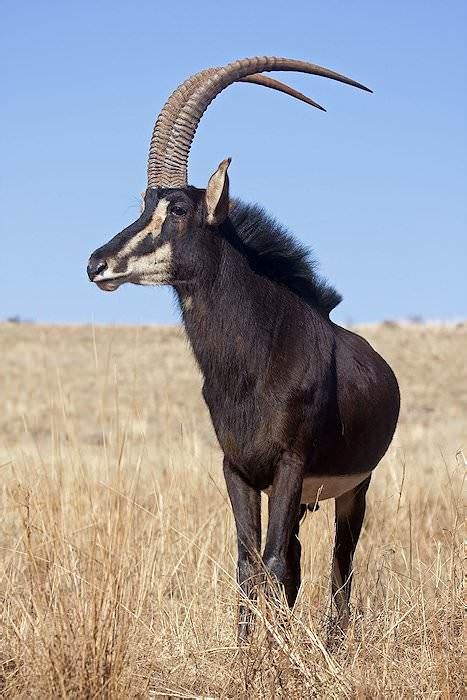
x,y
96,267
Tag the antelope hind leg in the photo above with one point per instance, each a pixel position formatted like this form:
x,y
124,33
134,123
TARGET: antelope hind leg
x,y
350,511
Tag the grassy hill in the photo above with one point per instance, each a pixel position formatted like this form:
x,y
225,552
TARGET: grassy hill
x,y
118,544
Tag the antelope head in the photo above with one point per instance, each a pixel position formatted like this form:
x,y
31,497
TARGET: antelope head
x,y
163,245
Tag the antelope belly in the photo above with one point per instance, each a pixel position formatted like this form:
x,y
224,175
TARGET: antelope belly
x,y
319,488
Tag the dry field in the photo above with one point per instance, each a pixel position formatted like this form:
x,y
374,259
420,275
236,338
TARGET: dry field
x,y
117,541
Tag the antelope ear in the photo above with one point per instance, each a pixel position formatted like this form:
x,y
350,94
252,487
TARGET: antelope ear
x,y
217,195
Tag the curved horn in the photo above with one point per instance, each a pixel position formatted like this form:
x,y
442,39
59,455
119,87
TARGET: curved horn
x,y
169,113
165,122
265,81
174,172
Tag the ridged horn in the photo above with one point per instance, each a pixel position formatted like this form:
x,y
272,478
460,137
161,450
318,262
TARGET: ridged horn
x,y
165,121
169,113
174,168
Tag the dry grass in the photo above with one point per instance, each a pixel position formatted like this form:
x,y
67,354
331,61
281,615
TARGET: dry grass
x,y
118,546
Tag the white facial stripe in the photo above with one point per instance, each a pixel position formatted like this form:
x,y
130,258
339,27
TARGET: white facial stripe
x,y
154,227
153,268
163,255
159,216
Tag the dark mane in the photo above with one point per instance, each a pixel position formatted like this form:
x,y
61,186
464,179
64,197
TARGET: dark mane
x,y
273,252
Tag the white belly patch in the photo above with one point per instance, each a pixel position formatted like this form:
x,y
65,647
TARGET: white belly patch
x,y
319,488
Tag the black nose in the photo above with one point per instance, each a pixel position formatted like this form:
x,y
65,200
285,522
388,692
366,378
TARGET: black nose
x,y
95,267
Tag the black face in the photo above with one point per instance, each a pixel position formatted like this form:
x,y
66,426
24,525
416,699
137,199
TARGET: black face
x,y
157,248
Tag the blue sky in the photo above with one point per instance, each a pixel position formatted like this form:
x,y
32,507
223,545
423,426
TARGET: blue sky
x,y
376,186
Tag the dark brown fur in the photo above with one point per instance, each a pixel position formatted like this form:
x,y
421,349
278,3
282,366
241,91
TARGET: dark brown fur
x,y
290,393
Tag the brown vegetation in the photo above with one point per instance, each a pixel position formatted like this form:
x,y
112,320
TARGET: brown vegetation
x,y
118,546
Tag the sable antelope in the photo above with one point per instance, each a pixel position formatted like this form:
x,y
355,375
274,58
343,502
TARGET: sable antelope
x,y
302,408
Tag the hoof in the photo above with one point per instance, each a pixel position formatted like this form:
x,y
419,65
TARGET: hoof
x,y
336,629
243,634
246,624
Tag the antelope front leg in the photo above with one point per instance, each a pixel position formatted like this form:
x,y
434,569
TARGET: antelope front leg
x,y
284,517
246,506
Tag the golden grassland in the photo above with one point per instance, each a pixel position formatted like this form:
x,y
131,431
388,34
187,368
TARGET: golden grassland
x,y
118,544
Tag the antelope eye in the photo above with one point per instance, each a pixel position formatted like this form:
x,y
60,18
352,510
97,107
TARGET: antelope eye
x,y
178,211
